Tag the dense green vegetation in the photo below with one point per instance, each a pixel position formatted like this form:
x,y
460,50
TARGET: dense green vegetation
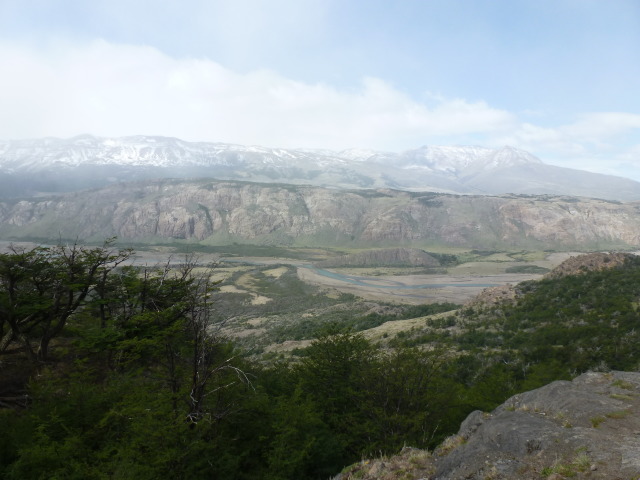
x,y
134,380
557,328
578,321
526,269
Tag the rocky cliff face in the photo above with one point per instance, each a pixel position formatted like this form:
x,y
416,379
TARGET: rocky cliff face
x,y
220,212
586,428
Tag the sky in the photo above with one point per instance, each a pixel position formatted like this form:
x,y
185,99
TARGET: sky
x,y
557,78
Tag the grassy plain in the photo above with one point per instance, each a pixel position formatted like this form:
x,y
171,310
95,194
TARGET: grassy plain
x,y
275,305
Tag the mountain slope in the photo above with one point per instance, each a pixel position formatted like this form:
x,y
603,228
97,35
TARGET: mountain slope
x,y
586,428
581,317
224,212
30,167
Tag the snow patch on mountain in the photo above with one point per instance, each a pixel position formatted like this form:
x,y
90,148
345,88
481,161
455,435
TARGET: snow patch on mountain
x,y
171,152
455,160
55,165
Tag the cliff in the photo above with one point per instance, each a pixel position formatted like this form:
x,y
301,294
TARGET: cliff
x,y
215,212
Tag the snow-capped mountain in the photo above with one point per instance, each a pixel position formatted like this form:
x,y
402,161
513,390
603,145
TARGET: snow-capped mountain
x,y
139,151
461,160
47,165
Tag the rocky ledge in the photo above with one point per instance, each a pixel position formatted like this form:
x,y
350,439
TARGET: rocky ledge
x,y
585,428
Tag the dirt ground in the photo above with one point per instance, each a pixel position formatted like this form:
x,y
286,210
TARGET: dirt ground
x,y
459,285
416,289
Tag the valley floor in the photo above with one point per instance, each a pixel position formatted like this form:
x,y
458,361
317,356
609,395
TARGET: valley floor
x,y
413,289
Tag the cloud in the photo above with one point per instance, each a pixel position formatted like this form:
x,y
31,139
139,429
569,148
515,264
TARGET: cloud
x,y
603,126
588,129
111,90
603,142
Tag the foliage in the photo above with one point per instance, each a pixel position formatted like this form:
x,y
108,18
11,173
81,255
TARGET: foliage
x,y
558,328
139,383
41,289
526,269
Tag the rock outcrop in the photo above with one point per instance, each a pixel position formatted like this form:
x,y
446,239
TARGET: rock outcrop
x,y
224,212
585,428
587,263
492,296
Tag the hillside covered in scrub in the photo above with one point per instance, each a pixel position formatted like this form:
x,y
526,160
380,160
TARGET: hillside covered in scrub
x,y
581,315
131,377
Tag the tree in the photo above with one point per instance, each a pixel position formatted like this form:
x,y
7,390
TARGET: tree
x,y
146,392
415,400
42,288
163,318
333,371
376,401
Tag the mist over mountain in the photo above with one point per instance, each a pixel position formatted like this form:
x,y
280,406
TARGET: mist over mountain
x,y
223,212
51,165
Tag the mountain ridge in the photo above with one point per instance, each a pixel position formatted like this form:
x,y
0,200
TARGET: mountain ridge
x,y
222,212
52,165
